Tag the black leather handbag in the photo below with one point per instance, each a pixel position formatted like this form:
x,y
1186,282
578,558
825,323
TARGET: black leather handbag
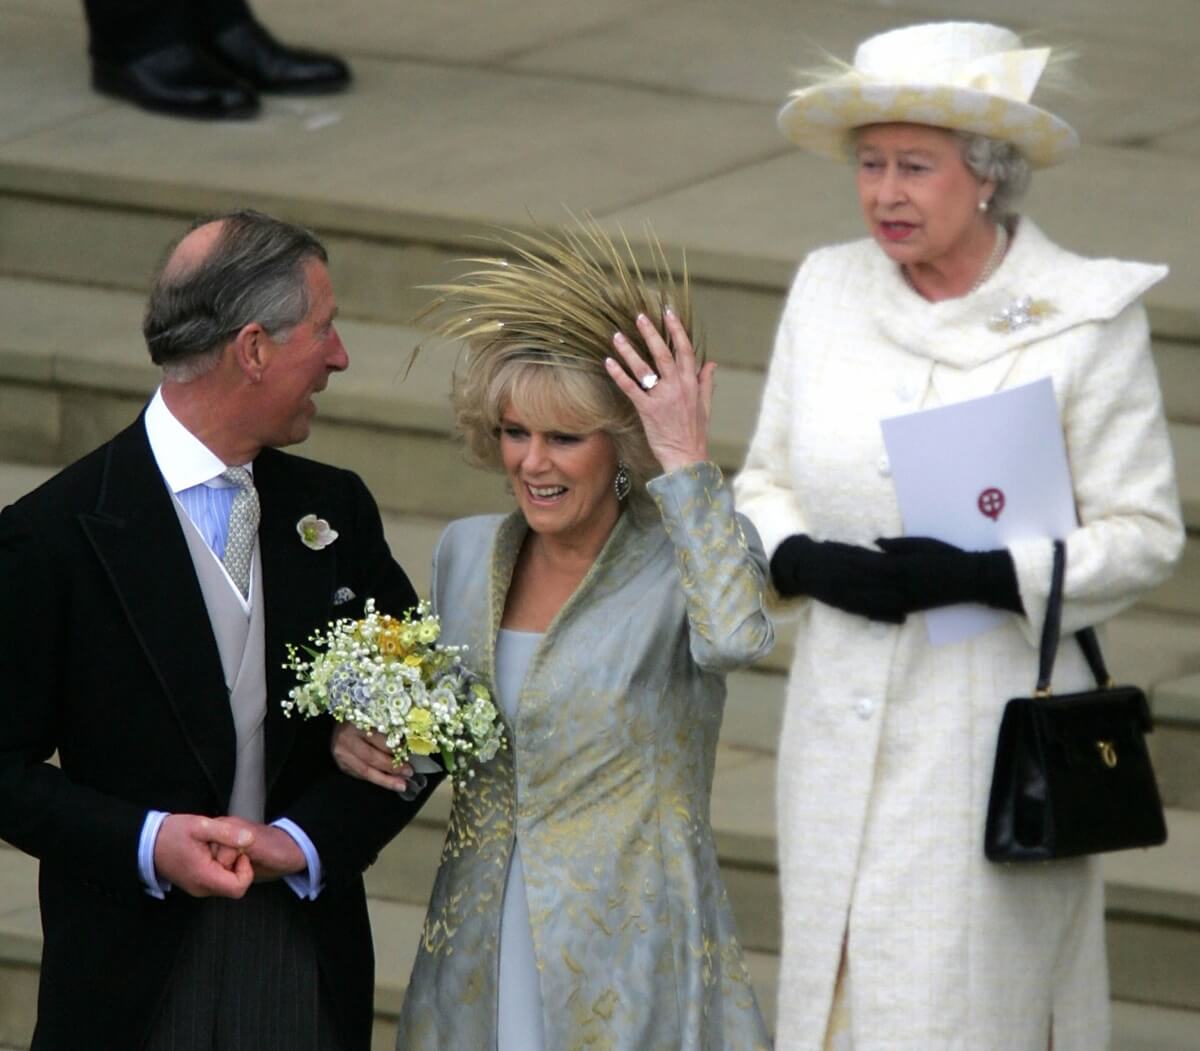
x,y
1072,773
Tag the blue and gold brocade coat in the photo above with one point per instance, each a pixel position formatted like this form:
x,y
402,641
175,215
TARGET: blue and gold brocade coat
x,y
606,782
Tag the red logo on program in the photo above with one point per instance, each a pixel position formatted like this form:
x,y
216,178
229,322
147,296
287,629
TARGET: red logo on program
x,y
991,503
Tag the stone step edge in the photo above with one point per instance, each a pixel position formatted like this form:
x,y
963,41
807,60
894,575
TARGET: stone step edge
x,y
415,409
24,952
1124,897
458,233
379,393
1175,703
155,196
399,523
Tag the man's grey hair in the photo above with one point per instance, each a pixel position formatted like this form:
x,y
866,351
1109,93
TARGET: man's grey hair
x,y
254,271
1001,163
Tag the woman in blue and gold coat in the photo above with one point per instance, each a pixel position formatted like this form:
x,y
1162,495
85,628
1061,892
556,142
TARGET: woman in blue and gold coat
x,y
579,902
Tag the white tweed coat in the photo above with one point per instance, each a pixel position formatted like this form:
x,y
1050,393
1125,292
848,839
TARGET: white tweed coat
x,y
888,743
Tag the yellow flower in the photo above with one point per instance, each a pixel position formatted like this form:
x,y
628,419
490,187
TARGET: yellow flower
x,y
419,721
421,745
419,725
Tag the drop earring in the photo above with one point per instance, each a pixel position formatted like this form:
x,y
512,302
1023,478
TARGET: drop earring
x,y
622,483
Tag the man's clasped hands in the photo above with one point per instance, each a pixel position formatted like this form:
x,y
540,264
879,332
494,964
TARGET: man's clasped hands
x,y
222,856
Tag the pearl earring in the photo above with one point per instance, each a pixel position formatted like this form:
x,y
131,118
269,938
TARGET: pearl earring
x,y
983,205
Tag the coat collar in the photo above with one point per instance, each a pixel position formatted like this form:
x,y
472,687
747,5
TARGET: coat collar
x,y
629,546
1071,289
298,586
136,535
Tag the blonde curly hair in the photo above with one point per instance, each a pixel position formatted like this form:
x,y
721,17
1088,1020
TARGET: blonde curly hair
x,y
538,322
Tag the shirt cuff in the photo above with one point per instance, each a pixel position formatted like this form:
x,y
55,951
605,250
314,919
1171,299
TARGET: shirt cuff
x,y
155,887
306,885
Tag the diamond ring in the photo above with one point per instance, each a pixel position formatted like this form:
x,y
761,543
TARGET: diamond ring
x,y
649,381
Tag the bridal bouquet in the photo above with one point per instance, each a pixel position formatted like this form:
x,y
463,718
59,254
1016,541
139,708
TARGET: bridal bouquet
x,y
390,676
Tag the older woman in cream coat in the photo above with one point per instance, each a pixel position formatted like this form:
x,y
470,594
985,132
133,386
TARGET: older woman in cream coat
x,y
898,934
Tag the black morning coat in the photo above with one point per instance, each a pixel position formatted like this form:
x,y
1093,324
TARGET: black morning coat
x,y
107,656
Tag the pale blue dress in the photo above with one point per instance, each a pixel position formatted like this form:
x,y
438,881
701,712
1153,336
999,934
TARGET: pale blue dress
x,y
519,1000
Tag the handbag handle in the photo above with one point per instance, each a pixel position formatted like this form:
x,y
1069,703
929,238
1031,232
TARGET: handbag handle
x,y
1086,637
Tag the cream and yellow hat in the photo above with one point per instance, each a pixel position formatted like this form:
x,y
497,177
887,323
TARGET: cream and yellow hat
x,y
965,76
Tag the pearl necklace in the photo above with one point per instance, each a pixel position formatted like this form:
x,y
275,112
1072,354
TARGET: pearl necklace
x,y
994,260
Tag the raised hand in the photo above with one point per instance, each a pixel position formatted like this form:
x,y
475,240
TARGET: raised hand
x,y
675,406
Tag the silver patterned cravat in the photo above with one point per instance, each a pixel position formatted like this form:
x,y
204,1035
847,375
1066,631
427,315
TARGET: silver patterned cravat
x,y
243,526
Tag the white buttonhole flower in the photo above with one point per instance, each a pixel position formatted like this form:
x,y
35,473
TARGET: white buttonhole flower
x,y
315,532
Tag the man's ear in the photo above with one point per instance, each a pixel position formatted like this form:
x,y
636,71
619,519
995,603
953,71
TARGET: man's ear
x,y
251,348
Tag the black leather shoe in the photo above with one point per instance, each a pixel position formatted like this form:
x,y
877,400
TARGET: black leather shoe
x,y
178,80
247,50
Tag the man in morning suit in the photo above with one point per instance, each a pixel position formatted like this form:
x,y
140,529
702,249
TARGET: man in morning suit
x,y
201,857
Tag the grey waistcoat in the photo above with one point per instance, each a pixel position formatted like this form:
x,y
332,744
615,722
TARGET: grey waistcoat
x,y
240,642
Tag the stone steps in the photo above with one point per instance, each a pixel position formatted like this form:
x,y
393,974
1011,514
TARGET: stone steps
x,y
1153,939
1175,744
1153,901
72,370
1144,646
380,258
469,115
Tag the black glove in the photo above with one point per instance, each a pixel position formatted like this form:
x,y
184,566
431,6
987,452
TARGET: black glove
x,y
854,579
932,574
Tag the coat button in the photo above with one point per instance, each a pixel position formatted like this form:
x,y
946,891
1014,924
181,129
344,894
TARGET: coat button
x,y
905,391
885,466
864,707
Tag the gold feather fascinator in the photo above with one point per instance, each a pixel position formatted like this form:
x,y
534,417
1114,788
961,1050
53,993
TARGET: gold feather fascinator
x,y
558,297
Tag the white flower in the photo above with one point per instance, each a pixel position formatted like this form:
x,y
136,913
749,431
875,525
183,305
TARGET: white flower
x,y
389,675
315,532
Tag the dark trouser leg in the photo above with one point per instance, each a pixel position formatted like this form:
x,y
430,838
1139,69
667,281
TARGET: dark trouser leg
x,y
209,17
247,980
122,30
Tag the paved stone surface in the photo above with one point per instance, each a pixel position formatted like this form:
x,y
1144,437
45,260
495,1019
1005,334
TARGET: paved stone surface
x,y
470,112
1105,201
457,33
1185,143
18,479
88,338
426,139
748,50
42,81
1169,870
1143,1027
1179,700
